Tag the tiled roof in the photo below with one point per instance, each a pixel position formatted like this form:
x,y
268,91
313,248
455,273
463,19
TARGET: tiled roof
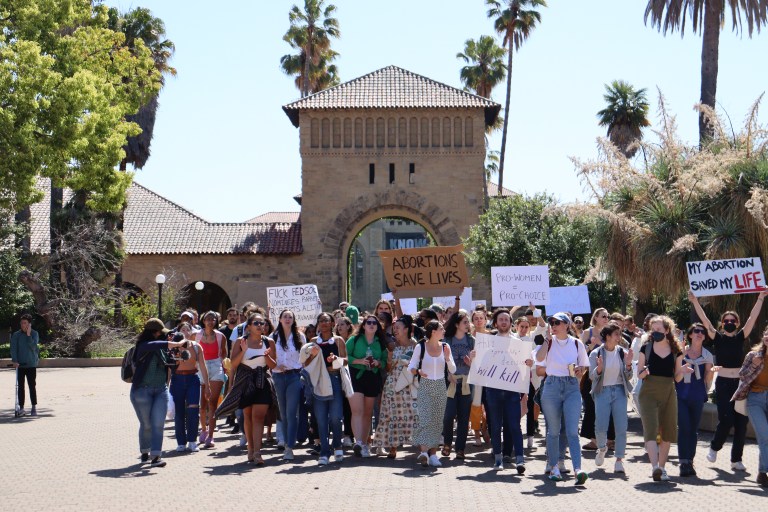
x,y
391,87
493,190
155,225
271,217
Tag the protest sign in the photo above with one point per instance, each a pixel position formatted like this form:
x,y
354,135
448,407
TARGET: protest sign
x,y
500,363
408,306
426,271
725,277
519,286
303,300
573,299
465,300
476,303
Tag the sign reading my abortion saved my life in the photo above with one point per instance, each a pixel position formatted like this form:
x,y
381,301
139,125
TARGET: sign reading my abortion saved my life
x,y
726,277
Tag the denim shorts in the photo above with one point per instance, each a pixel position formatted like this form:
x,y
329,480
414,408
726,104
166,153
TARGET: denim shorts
x,y
215,370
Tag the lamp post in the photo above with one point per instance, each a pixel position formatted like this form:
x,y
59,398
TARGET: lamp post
x,y
199,287
160,280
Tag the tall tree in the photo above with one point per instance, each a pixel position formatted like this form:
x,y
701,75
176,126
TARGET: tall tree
x,y
625,116
312,29
514,20
485,67
707,17
321,75
140,25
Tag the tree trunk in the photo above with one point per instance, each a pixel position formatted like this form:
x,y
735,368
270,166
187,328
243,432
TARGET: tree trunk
x,y
25,244
710,43
506,121
57,200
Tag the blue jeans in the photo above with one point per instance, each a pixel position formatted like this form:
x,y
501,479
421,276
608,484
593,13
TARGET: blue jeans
x,y
561,404
688,419
757,409
506,410
151,405
611,402
330,415
457,407
288,390
185,390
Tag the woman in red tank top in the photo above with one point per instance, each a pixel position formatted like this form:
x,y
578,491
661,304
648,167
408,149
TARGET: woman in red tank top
x,y
214,351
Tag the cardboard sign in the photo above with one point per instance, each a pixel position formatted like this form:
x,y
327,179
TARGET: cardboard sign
x,y
726,277
500,363
519,286
465,300
408,306
303,300
425,272
574,299
476,303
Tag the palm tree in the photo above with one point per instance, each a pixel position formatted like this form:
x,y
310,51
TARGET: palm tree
x,y
515,20
311,30
485,69
625,116
707,16
139,25
321,75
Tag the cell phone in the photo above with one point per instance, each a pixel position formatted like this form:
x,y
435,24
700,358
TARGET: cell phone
x,y
572,370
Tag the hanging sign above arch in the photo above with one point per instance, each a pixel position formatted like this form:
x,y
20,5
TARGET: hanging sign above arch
x,y
426,271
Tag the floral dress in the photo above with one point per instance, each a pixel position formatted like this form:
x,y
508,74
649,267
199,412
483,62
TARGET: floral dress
x,y
397,414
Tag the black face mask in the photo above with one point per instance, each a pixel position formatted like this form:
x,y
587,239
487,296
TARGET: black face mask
x,y
729,328
657,336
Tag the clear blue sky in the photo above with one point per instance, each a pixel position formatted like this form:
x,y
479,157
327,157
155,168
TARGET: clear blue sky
x,y
224,148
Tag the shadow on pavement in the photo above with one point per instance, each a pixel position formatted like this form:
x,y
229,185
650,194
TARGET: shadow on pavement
x,y
7,418
547,488
756,491
135,470
658,487
732,477
238,468
493,476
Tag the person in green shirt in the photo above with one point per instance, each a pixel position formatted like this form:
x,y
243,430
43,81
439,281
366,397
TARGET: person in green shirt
x,y
367,354
25,354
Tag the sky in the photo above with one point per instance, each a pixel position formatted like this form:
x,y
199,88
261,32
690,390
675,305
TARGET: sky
x,y
221,131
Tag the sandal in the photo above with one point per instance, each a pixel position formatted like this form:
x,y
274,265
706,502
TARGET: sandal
x,y
446,451
460,455
257,459
250,458
392,453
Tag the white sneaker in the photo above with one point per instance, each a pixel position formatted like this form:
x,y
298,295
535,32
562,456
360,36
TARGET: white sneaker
x,y
618,467
322,461
181,448
243,442
423,459
347,442
288,454
738,466
712,455
530,442
600,456
434,461
366,451
664,475
192,447
338,455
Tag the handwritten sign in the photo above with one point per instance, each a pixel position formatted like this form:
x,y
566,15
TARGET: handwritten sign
x,y
465,300
409,306
476,303
519,286
426,271
573,299
500,363
726,277
303,300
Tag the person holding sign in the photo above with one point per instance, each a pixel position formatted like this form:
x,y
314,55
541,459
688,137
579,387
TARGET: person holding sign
x,y
610,368
460,391
566,361
429,362
729,355
659,364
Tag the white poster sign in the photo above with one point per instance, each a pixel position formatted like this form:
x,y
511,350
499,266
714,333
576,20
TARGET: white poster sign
x,y
476,303
500,363
574,299
303,300
519,286
465,300
726,277
408,306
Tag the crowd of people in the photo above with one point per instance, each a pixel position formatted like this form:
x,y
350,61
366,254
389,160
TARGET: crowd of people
x,y
374,383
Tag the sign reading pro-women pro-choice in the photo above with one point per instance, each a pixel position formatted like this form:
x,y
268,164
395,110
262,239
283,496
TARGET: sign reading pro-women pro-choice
x,y
500,363
520,286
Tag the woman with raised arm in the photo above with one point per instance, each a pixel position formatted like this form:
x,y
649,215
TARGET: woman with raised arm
x,y
729,352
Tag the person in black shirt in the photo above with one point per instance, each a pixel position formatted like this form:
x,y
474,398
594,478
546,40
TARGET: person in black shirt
x,y
729,355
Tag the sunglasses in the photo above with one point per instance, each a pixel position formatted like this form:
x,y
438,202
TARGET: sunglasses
x,y
698,331
578,322
371,322
729,321
258,323
555,322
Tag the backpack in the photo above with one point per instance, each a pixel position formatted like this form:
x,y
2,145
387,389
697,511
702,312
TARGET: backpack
x,y
128,366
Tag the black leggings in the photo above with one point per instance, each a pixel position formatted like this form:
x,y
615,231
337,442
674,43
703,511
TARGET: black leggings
x,y
31,376
728,418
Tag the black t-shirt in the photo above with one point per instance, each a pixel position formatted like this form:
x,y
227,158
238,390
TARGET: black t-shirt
x,y
661,366
729,350
227,332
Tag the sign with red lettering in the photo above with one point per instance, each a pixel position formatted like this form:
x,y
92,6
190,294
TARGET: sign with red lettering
x,y
726,277
426,271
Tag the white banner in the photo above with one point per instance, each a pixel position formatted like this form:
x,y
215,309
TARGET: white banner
x,y
303,300
465,300
408,306
519,286
500,363
573,299
726,277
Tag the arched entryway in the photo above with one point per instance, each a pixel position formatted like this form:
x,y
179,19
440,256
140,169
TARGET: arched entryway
x,y
212,297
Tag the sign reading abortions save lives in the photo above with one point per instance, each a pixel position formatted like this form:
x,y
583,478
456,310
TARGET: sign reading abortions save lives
x,y
520,286
425,272
725,277
303,300
500,363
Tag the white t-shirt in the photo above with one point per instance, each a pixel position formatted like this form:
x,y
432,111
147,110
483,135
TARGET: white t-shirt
x,y
290,357
562,353
434,367
611,367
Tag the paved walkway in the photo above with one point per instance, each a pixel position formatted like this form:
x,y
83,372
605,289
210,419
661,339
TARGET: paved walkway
x,y
81,453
